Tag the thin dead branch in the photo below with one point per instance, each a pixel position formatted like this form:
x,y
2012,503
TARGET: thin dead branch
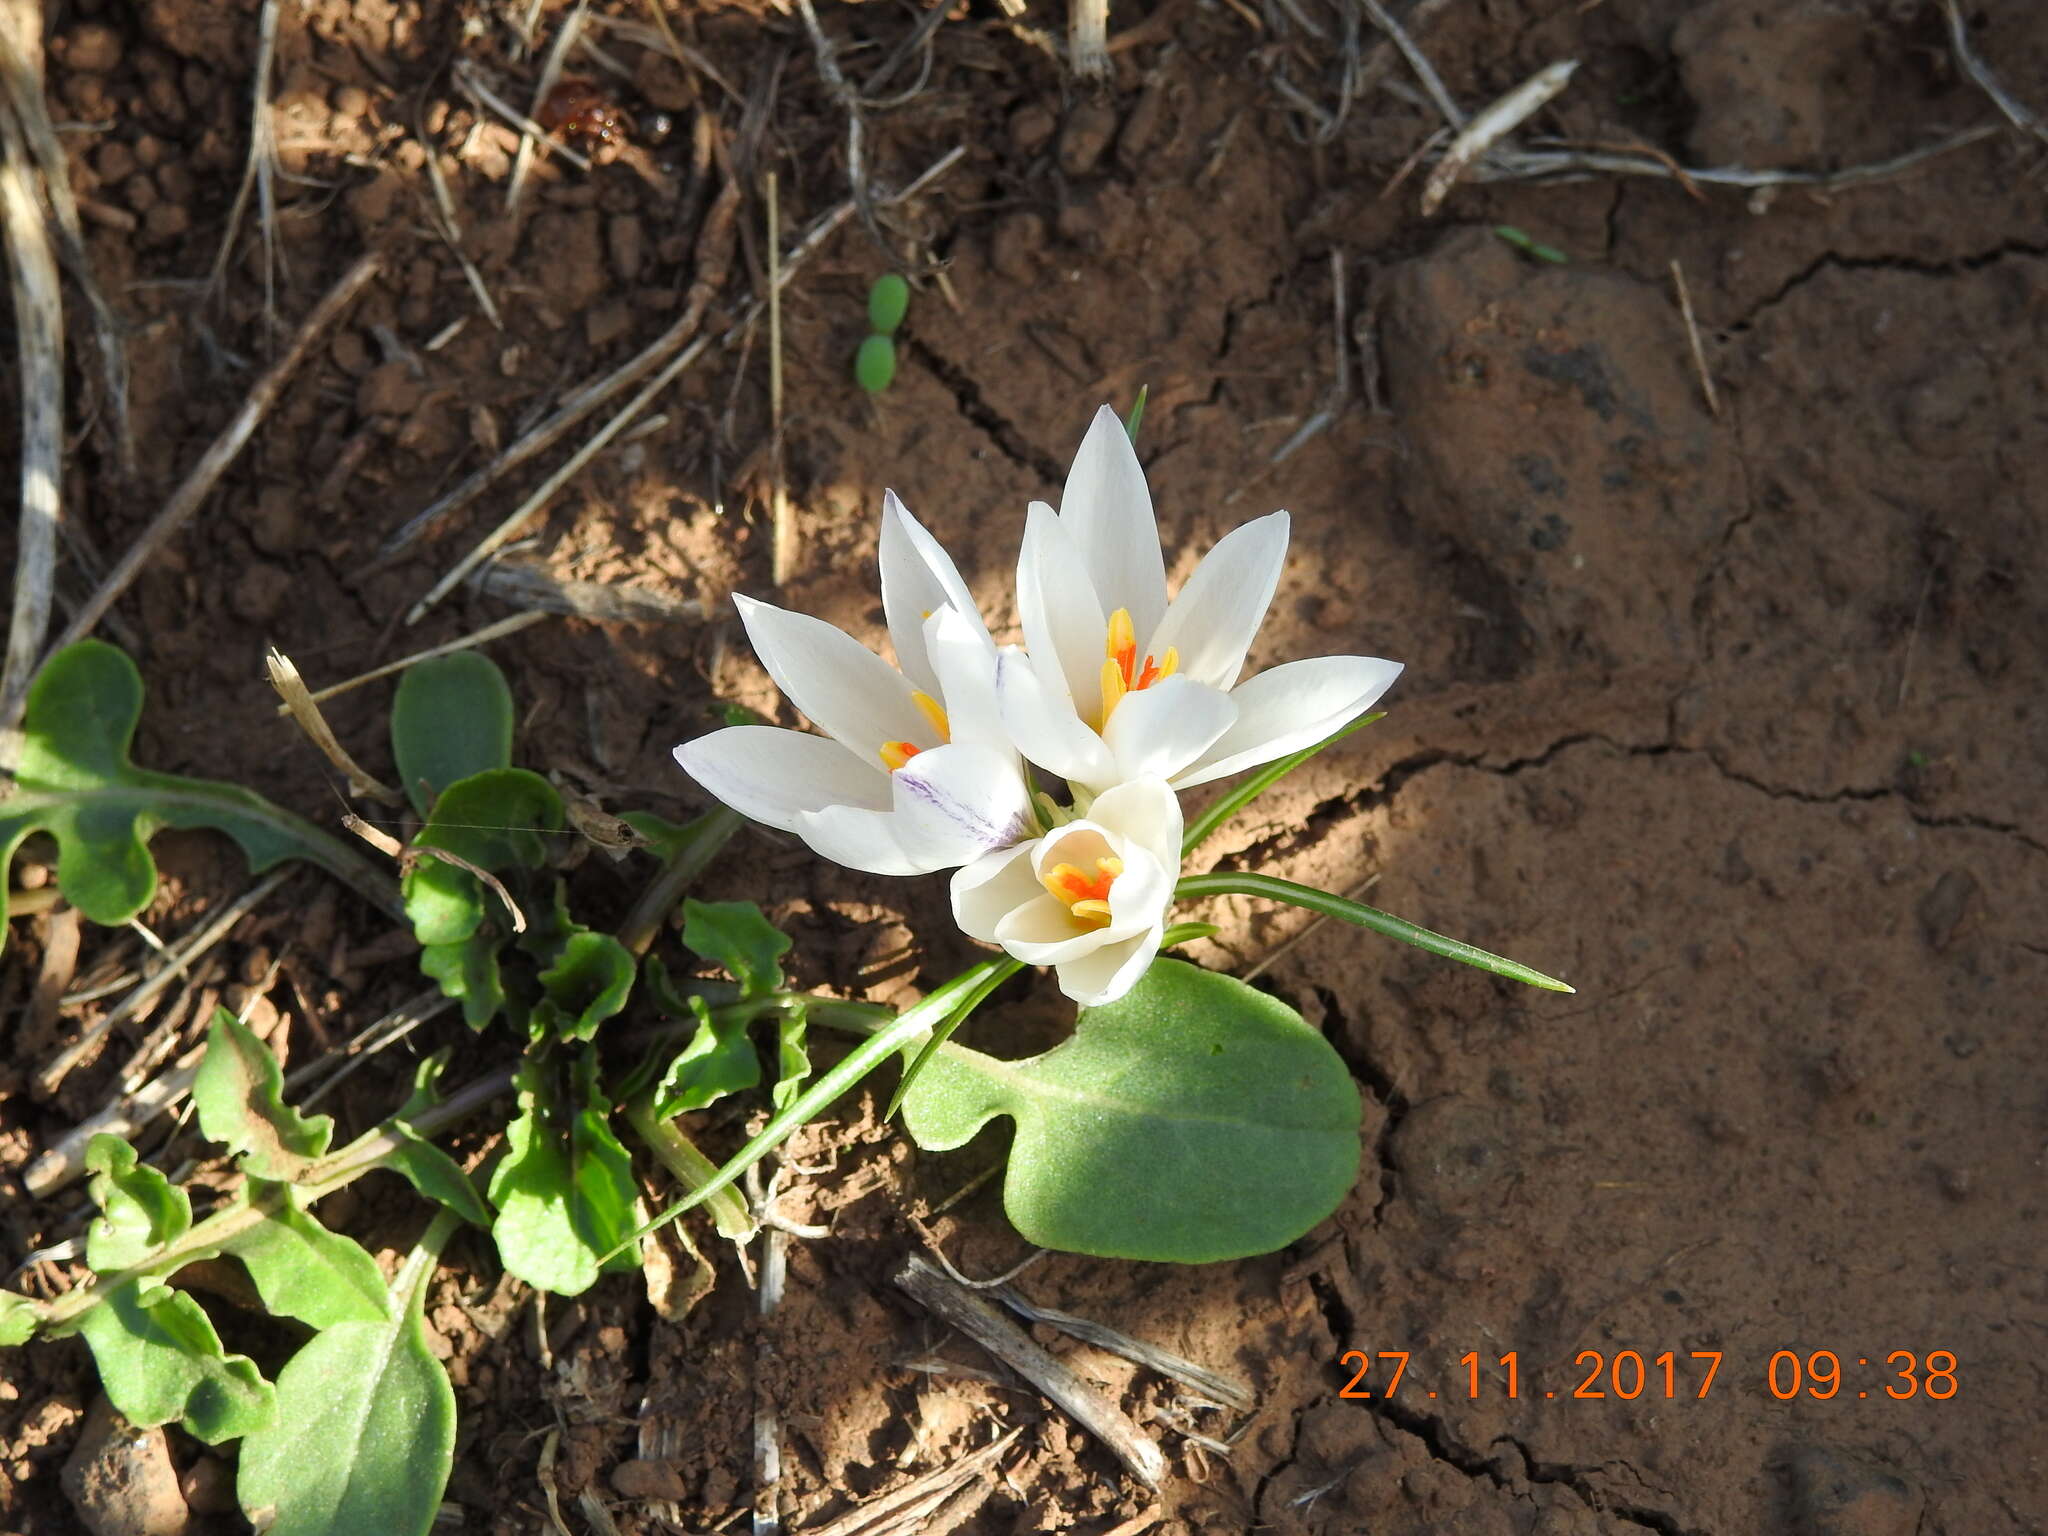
x,y
961,1308
1227,1390
550,73
188,496
489,632
259,171
1491,125
540,593
1417,61
2017,113
1692,336
1561,159
39,337
782,547
905,1510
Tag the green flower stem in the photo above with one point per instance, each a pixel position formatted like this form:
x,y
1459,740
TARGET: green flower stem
x,y
666,889
995,978
1269,888
690,1168
411,1279
883,1039
1203,826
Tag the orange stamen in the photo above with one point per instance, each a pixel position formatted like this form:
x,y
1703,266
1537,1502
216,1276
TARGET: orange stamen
x,y
1121,673
1086,896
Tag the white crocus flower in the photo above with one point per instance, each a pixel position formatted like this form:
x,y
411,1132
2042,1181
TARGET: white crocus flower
x,y
1117,683
1088,898
915,772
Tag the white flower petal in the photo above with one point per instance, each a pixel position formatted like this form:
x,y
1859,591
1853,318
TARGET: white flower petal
x,y
1145,812
1043,932
955,803
845,688
992,887
1044,726
776,776
859,839
1106,974
918,580
1108,510
1291,707
1139,896
1217,613
964,659
1158,731
1065,627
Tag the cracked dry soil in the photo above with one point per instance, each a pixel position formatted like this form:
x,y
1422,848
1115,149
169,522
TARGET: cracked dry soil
x,y
1733,720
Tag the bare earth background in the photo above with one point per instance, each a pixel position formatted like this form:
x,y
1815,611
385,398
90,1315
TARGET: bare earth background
x,y
1733,720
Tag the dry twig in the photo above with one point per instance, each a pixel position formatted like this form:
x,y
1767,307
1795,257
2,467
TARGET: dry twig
x,y
259,171
188,496
291,688
1491,125
1692,335
2017,113
906,1510
962,1309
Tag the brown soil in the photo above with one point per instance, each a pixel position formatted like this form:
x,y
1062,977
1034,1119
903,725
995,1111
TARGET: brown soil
x,y
1734,720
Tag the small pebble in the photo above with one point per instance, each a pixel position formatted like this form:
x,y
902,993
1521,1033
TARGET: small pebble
x,y
121,1481
1090,127
92,48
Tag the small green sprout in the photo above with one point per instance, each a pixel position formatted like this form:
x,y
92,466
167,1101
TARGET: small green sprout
x,y
887,301
874,366
1522,241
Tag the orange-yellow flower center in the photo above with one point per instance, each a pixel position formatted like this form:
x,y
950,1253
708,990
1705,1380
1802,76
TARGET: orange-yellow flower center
x,y
1085,895
1122,673
895,754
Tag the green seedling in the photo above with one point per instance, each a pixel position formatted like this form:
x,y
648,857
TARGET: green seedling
x,y
874,365
888,300
1522,241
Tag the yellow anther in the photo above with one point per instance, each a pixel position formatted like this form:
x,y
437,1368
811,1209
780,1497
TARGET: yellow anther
x,y
934,712
1122,642
1113,689
1094,913
895,754
1086,896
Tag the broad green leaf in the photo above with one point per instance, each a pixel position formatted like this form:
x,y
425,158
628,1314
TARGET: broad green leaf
x,y
564,1189
467,969
588,982
76,783
140,1209
1194,1119
365,1430
160,1361
497,820
19,1319
792,1061
239,1094
735,935
436,1175
425,1166
451,717
302,1270
719,1060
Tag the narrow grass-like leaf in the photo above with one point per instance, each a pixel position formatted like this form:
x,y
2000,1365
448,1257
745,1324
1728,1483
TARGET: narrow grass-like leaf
x,y
451,717
365,1431
1192,1120
76,783
945,1031
161,1362
1248,790
887,1039
1271,888
239,1094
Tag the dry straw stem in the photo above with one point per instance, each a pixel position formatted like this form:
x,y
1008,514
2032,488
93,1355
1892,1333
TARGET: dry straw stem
x,y
1692,335
783,546
1417,61
1492,125
2018,114
259,172
177,962
1227,1390
188,496
717,242
39,335
907,1509
298,702
956,1305
489,632
24,109
1088,38
471,82
541,593
550,72
1561,160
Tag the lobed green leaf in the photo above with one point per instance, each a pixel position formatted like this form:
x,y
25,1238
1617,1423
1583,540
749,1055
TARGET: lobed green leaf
x,y
737,936
76,783
564,1189
161,1362
239,1093
140,1209
1194,1119
719,1059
